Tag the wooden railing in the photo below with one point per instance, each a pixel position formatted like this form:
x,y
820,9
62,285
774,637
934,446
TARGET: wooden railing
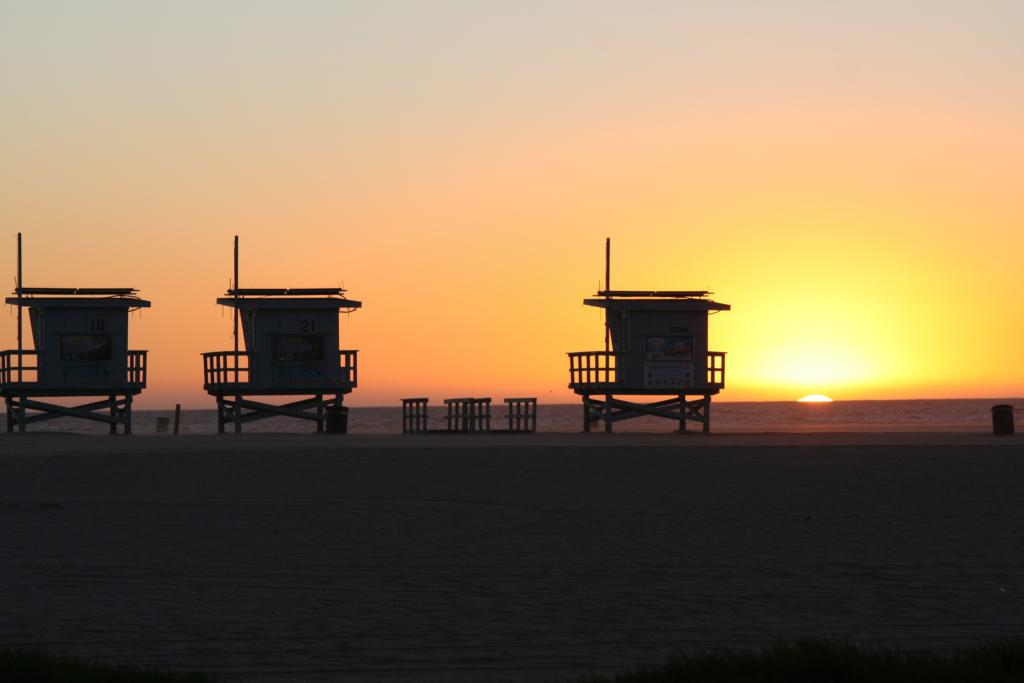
x,y
137,367
592,367
136,362
227,367
468,414
522,414
414,415
601,367
12,371
716,369
349,366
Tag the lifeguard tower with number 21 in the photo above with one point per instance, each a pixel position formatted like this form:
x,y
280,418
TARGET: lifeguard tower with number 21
x,y
291,348
656,344
81,350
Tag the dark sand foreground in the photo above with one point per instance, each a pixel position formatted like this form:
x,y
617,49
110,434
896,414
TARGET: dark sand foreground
x,y
500,558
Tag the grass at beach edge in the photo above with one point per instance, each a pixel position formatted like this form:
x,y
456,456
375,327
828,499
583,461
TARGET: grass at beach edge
x,y
39,666
834,661
809,660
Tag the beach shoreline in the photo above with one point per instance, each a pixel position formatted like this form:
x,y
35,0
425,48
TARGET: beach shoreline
x,y
921,415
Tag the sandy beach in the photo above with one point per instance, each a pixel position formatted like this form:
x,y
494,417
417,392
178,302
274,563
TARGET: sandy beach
x,y
518,558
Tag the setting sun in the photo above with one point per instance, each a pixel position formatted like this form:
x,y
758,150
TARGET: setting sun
x,y
814,398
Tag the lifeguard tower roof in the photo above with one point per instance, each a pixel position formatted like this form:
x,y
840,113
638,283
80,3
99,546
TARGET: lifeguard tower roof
x,y
324,297
657,300
77,297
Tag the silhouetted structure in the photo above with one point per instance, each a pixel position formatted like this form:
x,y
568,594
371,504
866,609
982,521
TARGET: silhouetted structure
x,y
415,417
1002,420
469,415
656,344
291,349
522,414
80,349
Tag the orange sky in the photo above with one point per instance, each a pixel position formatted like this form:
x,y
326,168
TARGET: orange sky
x,y
852,191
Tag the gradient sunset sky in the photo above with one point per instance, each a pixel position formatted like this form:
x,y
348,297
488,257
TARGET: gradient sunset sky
x,y
847,175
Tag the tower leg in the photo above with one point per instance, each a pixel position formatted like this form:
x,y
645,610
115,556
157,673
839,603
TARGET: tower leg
x,y
21,413
10,413
682,414
113,414
339,405
237,414
707,414
220,414
586,413
127,415
608,414
319,414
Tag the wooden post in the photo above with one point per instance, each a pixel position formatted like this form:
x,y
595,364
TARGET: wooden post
x,y
17,292
237,313
177,417
682,414
607,288
607,265
608,414
220,414
21,413
113,414
319,413
586,412
237,414
707,414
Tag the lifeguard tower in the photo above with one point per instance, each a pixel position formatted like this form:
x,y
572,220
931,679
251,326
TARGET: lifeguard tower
x,y
80,349
656,345
291,349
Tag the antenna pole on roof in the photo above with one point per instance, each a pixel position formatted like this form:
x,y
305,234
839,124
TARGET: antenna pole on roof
x,y
607,265
17,292
607,289
236,309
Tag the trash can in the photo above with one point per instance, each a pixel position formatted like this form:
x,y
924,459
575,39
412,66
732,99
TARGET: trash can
x,y
337,420
1002,419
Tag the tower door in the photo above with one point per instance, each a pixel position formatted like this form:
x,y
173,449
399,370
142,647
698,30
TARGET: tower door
x,y
668,362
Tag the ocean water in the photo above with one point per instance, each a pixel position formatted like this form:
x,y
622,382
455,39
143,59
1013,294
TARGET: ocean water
x,y
970,415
